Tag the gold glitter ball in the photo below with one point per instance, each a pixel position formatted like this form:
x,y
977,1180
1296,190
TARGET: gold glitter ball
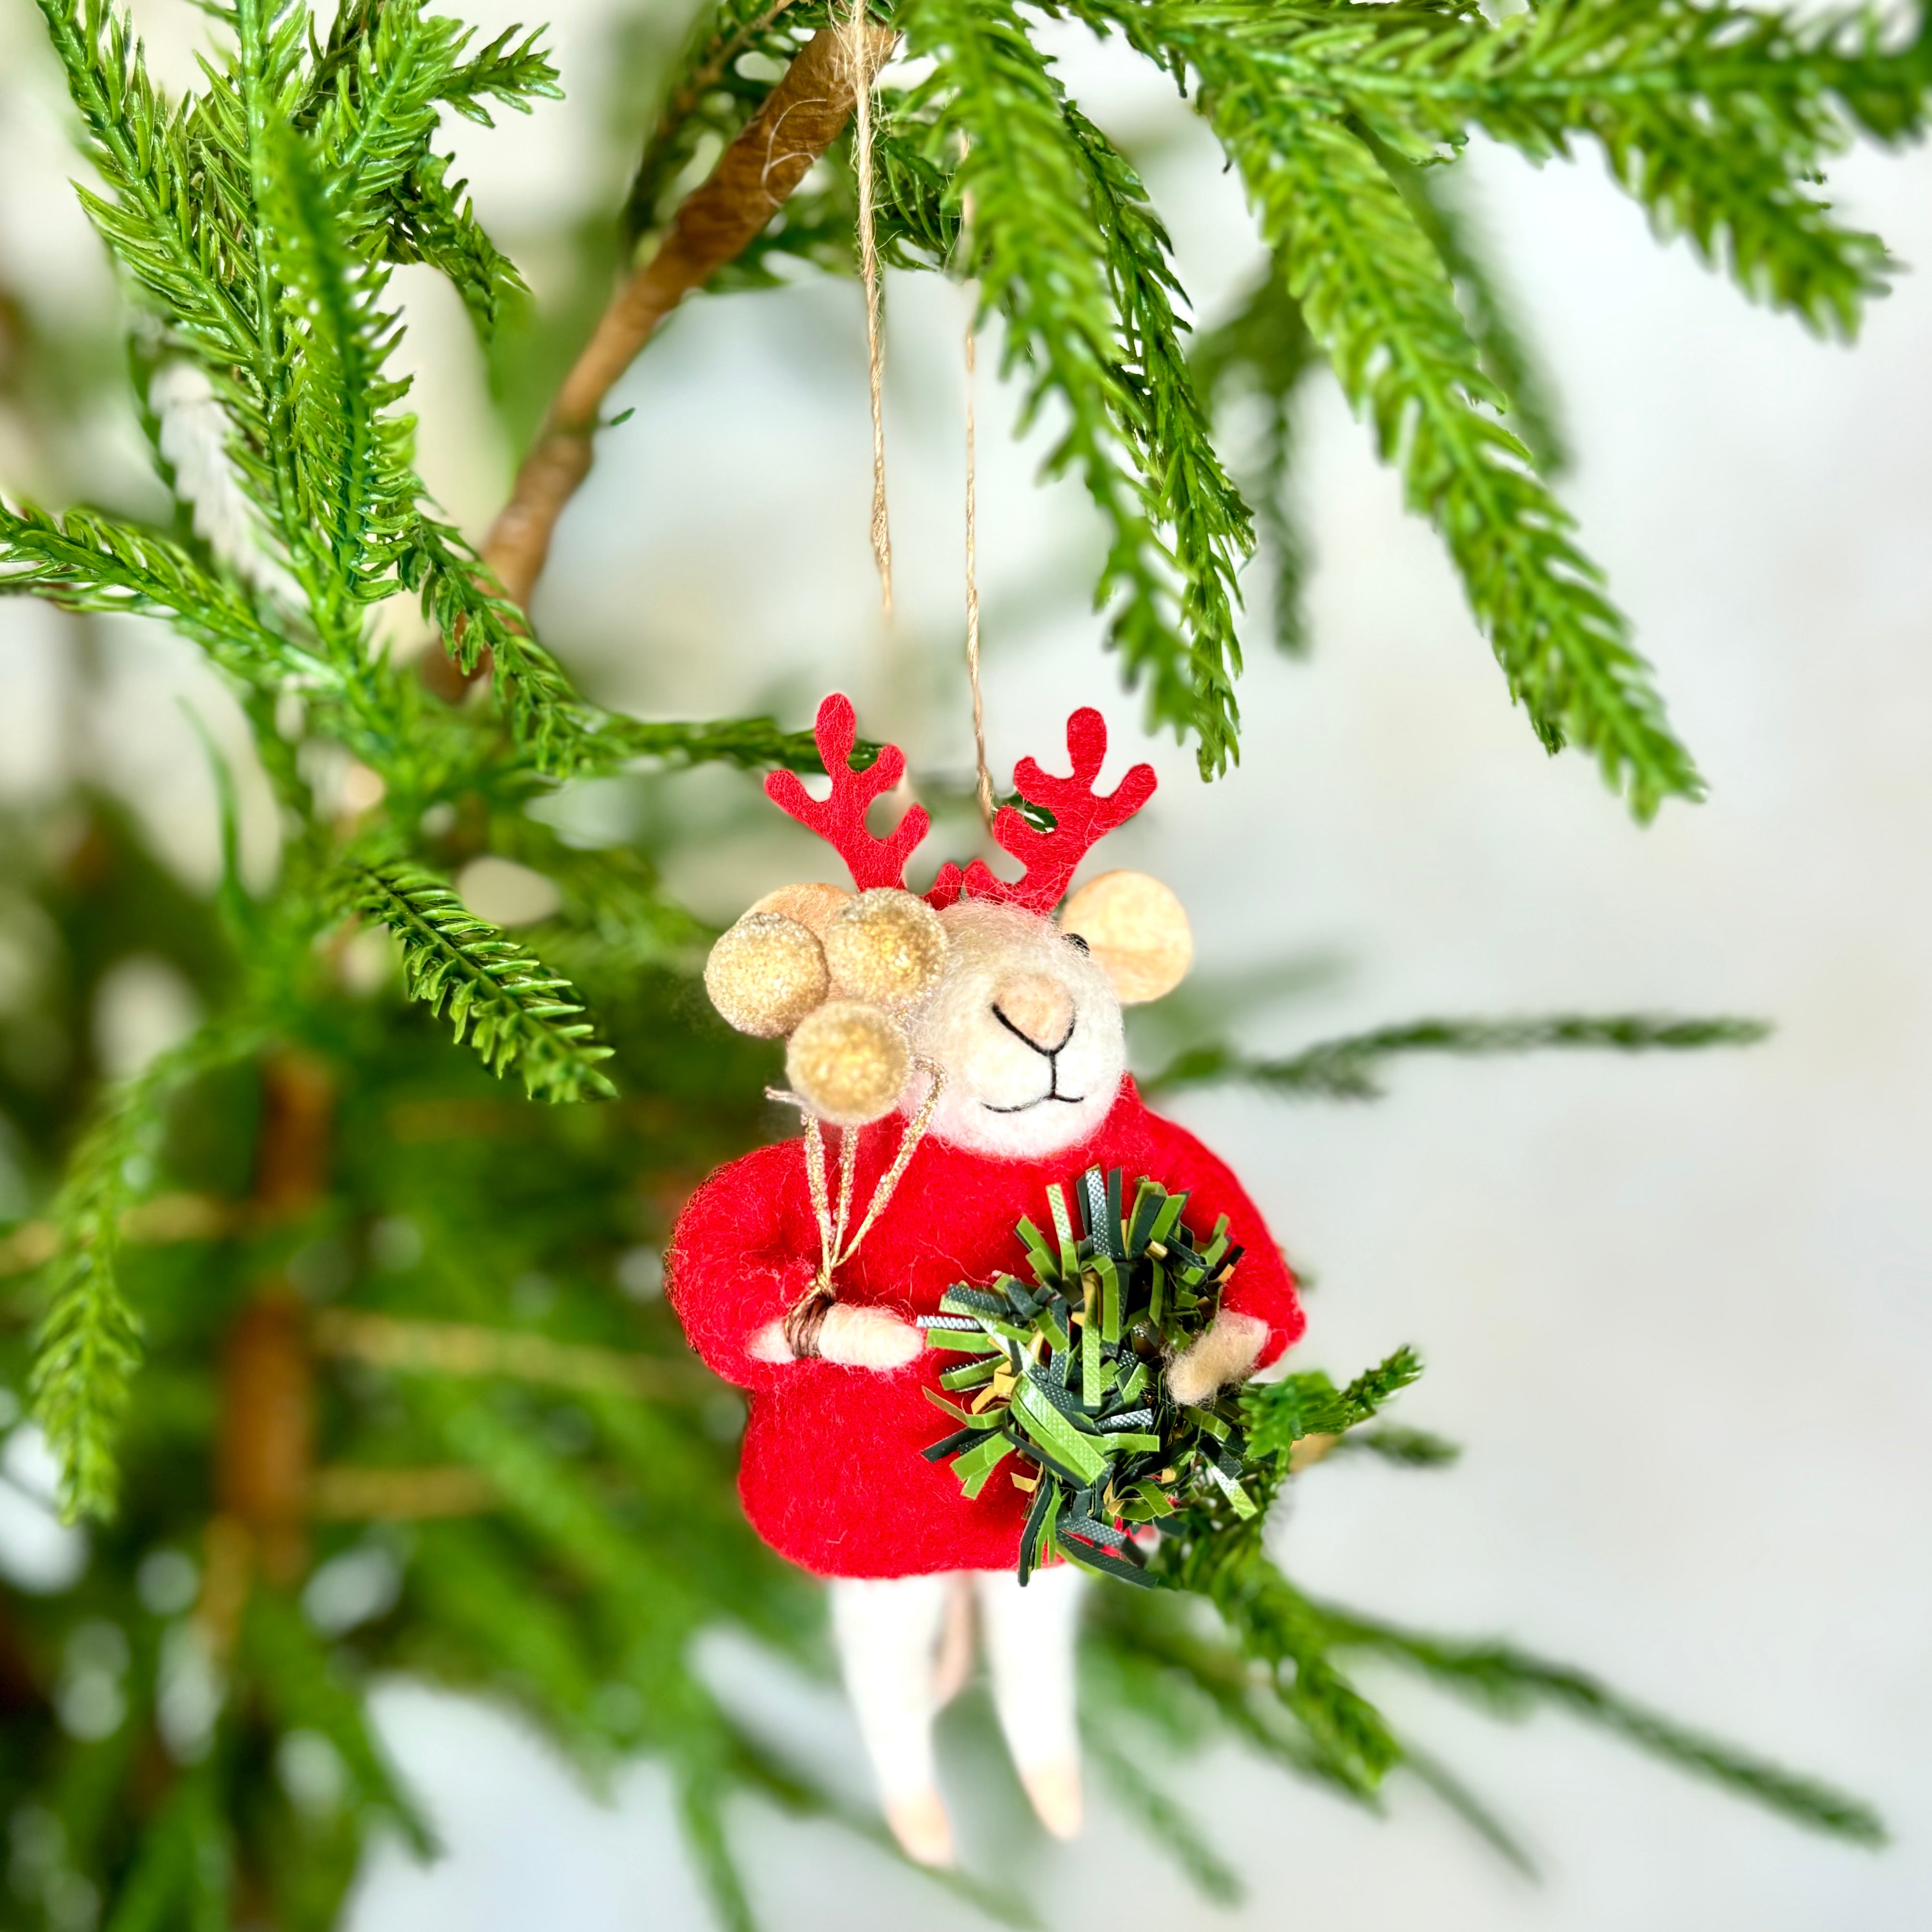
x,y
765,974
885,947
849,1062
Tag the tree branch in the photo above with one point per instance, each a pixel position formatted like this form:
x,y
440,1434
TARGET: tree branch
x,y
754,176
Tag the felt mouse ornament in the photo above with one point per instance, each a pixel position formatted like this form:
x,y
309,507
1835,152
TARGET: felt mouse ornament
x,y
966,1048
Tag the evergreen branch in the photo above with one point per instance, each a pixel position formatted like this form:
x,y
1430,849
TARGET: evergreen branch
x,y
1165,1823
1506,357
1346,1069
378,40
797,121
87,561
431,221
1265,350
707,97
512,73
145,154
1277,1415
349,458
1378,300
1511,1682
1210,531
178,1875
563,735
1407,1448
1060,238
1471,1809
302,1689
1147,1635
1717,118
612,906
752,744
373,104
89,1342
1275,1626
480,628
372,98
514,1012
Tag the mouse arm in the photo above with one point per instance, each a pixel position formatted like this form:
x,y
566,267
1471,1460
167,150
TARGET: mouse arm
x,y
744,1251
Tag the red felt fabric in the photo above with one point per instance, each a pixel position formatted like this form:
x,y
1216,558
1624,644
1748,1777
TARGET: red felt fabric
x,y
1082,817
831,1474
840,819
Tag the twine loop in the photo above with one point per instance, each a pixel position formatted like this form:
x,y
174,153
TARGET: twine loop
x,y
805,1321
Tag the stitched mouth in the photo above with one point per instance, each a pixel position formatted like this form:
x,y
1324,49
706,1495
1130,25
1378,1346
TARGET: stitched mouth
x,y
1028,1106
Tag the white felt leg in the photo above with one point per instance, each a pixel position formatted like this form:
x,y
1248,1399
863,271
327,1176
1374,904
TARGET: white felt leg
x,y
888,1633
1030,1636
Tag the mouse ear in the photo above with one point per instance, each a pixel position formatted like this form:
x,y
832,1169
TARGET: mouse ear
x,y
1138,931
812,905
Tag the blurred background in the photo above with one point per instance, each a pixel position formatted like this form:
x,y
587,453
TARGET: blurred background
x,y
1678,1311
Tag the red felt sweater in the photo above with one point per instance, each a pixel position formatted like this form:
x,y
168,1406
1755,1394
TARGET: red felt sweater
x,y
831,1476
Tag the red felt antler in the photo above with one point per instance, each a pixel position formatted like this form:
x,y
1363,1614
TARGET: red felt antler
x,y
1082,817
840,820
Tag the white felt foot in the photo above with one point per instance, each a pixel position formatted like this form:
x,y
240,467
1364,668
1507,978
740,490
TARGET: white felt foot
x,y
887,1631
1054,1790
954,1669
919,1821
1030,1636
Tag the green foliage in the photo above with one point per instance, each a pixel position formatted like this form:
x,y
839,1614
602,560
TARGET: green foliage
x,y
1264,350
1717,118
84,562
89,1342
515,1012
1279,1414
1345,1068
1378,298
1066,250
1512,1683
374,99
562,1541
1281,1654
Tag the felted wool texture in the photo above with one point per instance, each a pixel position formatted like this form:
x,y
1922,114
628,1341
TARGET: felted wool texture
x,y
990,1071
849,1062
1220,1356
765,974
885,947
831,1474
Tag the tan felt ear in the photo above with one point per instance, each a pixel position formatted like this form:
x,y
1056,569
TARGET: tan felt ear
x,y
812,905
1136,929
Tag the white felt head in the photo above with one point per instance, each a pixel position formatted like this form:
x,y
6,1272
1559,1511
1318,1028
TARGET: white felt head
x,y
1026,1026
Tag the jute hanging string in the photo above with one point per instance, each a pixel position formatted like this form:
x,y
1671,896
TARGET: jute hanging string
x,y
864,59
984,786
805,1319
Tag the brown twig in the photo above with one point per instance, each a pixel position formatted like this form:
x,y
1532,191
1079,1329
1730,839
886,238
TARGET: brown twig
x,y
754,176
265,1447
724,50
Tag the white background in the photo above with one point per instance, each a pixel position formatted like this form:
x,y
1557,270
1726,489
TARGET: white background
x,y
1678,1311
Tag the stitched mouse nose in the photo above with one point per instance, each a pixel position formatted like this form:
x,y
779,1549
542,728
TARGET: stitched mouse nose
x,y
1037,1006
